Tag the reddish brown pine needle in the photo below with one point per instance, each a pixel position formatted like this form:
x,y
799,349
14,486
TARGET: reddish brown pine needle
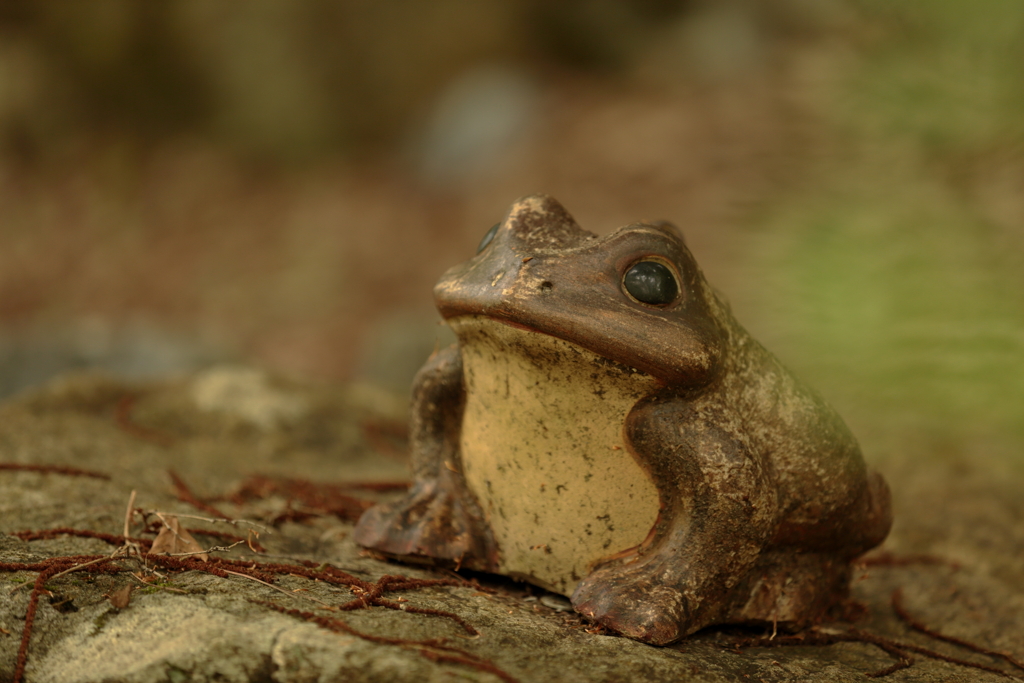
x,y
370,593
123,418
434,649
902,613
53,469
185,495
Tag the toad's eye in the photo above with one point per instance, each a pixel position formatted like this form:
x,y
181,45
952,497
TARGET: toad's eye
x,y
651,282
488,237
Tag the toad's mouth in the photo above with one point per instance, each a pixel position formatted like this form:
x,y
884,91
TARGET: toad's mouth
x,y
544,451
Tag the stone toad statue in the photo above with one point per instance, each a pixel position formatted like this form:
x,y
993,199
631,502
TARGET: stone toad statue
x,y
605,429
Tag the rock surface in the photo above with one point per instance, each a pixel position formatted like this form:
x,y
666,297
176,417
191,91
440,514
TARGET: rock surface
x,y
217,428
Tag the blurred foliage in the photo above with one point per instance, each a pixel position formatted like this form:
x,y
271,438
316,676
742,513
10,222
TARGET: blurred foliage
x,y
293,81
905,252
881,255
267,77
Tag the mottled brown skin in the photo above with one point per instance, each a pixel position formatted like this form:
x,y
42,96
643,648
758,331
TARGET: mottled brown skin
x,y
764,495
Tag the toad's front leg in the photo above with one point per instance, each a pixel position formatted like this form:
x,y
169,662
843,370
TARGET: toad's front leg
x,y
439,518
718,512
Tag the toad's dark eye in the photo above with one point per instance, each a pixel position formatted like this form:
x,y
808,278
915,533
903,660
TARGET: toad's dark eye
x,y
651,283
488,237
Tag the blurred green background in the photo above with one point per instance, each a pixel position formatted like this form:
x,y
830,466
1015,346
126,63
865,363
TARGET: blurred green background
x,y
280,182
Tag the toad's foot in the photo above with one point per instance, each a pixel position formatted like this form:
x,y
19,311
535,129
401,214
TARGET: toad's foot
x,y
437,519
637,600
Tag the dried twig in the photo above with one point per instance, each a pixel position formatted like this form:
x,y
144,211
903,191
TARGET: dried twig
x,y
214,520
128,514
282,590
147,584
211,549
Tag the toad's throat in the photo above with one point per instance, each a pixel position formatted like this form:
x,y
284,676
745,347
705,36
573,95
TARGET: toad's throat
x,y
544,452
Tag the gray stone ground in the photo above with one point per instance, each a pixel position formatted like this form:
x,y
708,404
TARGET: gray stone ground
x,y
217,427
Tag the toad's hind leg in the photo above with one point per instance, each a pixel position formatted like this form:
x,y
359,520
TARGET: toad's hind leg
x,y
439,518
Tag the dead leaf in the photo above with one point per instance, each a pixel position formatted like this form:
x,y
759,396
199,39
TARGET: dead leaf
x,y
173,540
121,597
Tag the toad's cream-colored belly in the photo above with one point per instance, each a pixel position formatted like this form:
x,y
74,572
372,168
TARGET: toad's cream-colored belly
x,y
543,450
